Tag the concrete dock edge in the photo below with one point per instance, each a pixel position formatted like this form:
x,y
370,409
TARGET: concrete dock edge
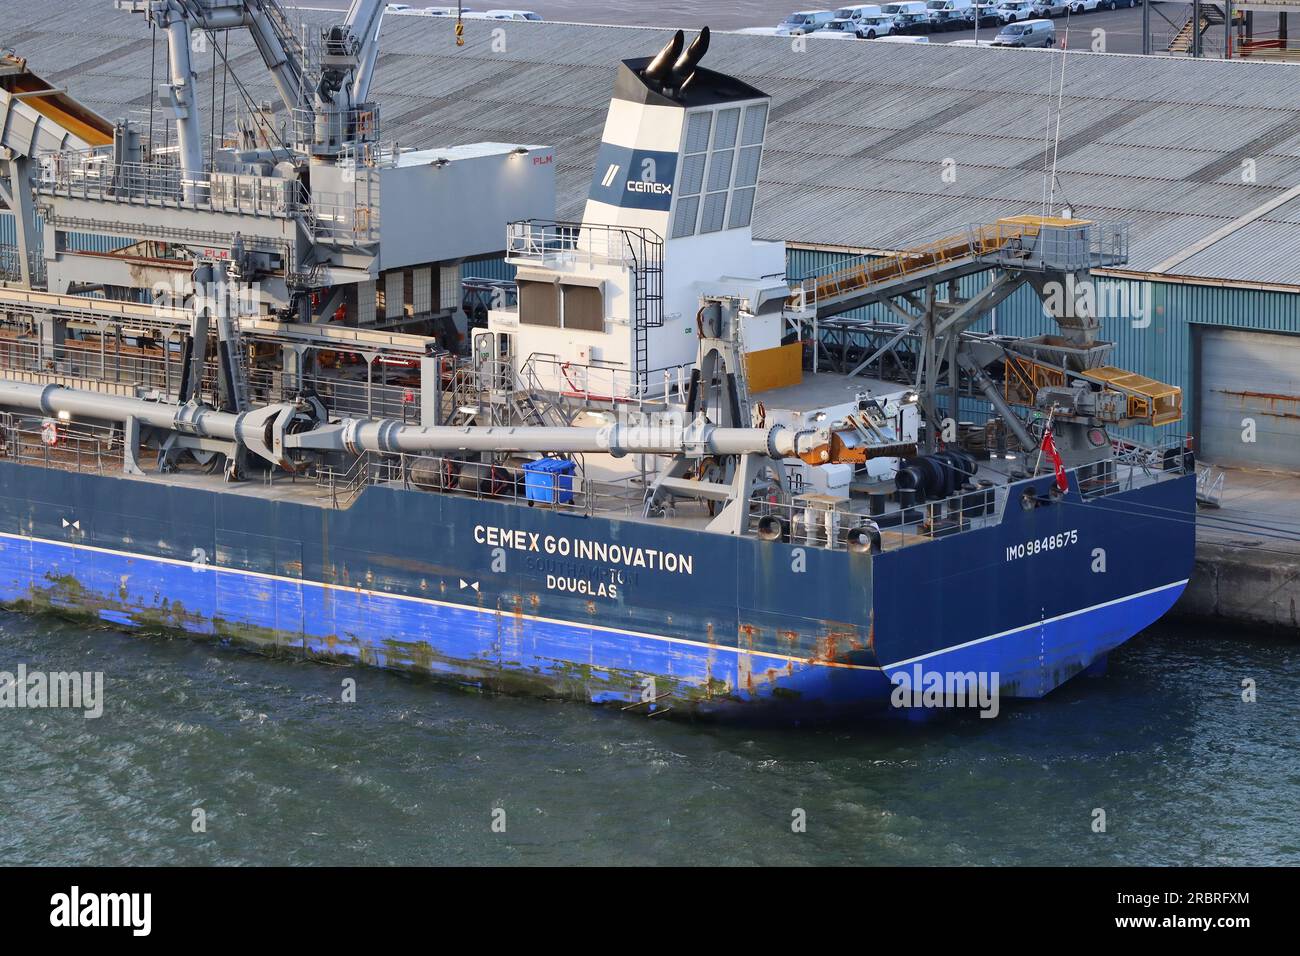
x,y
1241,585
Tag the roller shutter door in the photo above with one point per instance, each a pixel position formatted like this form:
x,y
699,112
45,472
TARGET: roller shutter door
x,y
1246,377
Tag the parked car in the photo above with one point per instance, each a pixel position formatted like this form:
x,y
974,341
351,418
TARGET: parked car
x,y
837,30
873,27
1026,34
950,14
804,21
1051,8
512,15
986,14
1009,11
910,16
1084,6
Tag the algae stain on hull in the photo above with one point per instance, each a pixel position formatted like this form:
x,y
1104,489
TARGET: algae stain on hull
x,y
68,598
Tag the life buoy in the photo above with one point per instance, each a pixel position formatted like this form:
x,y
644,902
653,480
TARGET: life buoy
x,y
50,433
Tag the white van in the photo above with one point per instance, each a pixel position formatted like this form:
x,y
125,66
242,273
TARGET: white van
x,y
858,13
1028,33
950,14
804,21
910,16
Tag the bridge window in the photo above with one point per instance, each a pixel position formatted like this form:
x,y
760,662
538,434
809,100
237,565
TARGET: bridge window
x,y
538,303
566,306
584,307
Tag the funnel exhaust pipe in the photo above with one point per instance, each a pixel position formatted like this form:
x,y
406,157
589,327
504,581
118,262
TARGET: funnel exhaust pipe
x,y
664,60
684,67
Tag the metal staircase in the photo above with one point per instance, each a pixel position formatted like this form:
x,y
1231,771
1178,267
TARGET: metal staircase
x,y
1185,39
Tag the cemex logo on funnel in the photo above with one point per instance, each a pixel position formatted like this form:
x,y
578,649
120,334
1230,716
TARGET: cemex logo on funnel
x,y
634,178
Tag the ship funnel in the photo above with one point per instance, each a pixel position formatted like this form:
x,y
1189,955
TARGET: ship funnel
x,y
684,68
635,179
664,60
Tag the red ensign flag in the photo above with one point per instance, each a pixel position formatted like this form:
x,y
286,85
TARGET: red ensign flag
x,y
1054,456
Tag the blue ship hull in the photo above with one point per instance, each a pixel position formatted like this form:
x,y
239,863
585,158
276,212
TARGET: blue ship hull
x,y
643,616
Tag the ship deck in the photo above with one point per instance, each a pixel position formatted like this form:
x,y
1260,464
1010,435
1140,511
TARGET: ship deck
x,y
603,486
820,390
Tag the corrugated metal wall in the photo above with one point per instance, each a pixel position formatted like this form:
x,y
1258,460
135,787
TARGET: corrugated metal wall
x,y
489,267
1153,336
1247,397
85,241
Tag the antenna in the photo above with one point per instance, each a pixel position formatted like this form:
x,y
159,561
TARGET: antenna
x,y
1060,102
1050,144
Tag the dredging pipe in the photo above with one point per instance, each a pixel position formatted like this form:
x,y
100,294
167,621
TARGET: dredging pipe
x,y
695,439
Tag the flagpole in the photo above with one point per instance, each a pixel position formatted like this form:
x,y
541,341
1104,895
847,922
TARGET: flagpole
x,y
1050,412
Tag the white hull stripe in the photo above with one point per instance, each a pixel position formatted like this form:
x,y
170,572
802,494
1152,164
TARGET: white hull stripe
x,y
1045,621
134,556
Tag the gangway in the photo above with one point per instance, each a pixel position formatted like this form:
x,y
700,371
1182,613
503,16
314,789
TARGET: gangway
x,y
1020,243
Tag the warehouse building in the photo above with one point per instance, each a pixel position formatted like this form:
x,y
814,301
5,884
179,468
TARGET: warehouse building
x,y
878,147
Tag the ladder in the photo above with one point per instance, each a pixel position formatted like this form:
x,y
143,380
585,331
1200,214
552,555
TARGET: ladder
x,y
283,29
234,355
740,373
648,303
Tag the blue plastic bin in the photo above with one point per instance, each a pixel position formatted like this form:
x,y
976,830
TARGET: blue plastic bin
x,y
549,480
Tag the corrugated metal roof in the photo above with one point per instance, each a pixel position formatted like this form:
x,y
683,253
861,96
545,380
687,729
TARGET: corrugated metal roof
x,y
859,131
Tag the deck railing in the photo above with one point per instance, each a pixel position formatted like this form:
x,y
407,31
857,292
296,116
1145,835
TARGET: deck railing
x,y
53,444
546,242
504,483
92,174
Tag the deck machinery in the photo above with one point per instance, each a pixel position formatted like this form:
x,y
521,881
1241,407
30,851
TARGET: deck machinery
x,y
636,483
